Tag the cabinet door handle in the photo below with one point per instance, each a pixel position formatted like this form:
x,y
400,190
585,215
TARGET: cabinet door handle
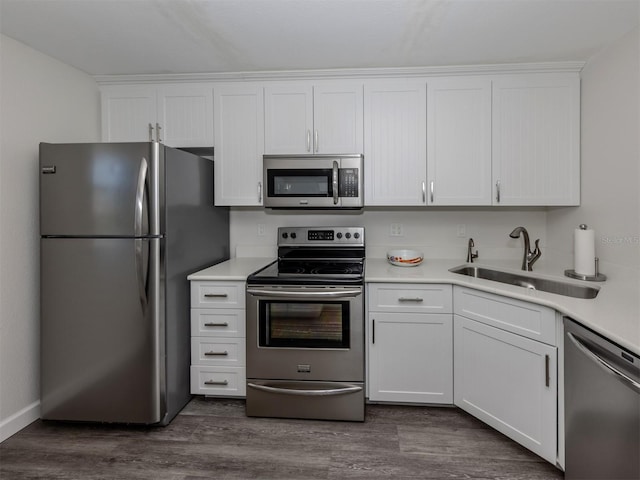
x,y
547,376
431,191
212,324
158,128
213,382
215,295
424,192
259,192
315,140
150,133
373,331
498,191
213,354
410,299
308,140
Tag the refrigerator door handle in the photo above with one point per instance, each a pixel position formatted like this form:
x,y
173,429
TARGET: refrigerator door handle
x,y
140,200
142,271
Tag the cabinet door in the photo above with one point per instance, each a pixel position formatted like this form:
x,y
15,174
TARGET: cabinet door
x,y
459,141
394,147
338,118
411,357
536,144
239,143
288,110
185,115
127,112
509,382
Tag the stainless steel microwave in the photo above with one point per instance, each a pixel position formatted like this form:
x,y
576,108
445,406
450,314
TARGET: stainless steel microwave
x,y
313,181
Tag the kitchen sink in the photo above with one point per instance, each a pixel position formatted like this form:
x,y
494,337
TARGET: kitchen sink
x,y
526,281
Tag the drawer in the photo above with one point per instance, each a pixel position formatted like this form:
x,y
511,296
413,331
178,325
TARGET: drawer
x,y
409,297
218,351
218,381
209,294
523,318
217,322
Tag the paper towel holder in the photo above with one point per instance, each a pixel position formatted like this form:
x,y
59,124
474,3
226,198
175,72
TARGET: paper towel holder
x,y
598,277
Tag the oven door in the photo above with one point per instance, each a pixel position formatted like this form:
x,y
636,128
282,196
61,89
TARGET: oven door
x,y
305,333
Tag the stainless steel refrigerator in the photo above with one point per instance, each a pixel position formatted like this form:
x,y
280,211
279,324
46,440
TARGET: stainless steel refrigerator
x,y
122,225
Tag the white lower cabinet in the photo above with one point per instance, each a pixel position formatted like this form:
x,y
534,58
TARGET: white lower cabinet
x,y
218,351
505,379
410,350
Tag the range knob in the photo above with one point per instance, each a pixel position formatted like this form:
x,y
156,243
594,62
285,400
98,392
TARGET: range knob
x,y
339,235
285,235
293,234
356,235
348,235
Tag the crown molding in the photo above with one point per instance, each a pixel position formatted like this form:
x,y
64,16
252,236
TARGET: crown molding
x,y
346,73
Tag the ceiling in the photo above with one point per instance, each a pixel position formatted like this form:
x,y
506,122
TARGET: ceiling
x,y
103,37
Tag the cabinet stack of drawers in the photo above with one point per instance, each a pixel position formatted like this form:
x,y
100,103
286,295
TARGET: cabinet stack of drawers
x,y
218,338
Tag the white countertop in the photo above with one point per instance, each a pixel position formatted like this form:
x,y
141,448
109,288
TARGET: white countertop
x,y
614,313
233,269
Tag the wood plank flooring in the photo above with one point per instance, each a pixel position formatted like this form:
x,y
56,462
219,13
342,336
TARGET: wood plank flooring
x,y
213,439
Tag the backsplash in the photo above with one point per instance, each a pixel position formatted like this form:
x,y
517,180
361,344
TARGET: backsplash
x,y
438,232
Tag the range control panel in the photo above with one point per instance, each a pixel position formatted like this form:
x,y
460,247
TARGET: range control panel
x,y
353,236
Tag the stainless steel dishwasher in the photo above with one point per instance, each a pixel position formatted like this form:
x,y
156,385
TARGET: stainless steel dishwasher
x,y
602,407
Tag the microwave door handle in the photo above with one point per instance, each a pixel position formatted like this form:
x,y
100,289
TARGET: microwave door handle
x,y
335,182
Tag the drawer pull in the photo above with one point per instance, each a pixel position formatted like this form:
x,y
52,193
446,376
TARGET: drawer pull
x,y
215,295
214,382
211,354
212,324
410,299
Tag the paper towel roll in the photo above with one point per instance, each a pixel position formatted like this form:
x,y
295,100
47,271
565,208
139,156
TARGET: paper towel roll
x,y
584,252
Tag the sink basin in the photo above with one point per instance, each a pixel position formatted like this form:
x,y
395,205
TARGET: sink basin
x,y
526,281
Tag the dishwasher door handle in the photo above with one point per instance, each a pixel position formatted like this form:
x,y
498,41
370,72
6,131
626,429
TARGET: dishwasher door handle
x,y
606,366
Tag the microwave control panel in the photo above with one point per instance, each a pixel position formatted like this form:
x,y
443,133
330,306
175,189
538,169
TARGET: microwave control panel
x,y
348,182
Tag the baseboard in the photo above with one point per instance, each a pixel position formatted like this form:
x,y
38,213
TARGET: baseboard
x,y
16,422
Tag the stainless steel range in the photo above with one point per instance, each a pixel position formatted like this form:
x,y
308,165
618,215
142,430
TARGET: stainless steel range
x,y
305,327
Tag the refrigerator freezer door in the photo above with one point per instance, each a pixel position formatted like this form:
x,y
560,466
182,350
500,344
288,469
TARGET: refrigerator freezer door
x,y
99,189
102,356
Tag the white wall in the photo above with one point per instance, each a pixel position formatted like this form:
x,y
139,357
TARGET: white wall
x,y
610,144
432,230
41,99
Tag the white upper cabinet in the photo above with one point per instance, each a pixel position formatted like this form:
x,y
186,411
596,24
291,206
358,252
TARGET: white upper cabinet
x,y
185,112
536,139
128,113
179,115
239,143
395,156
459,141
313,119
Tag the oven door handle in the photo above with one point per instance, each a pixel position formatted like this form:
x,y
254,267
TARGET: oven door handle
x,y
341,390
295,294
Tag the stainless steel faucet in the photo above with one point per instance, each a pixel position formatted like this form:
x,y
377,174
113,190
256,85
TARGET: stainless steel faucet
x,y
529,257
470,254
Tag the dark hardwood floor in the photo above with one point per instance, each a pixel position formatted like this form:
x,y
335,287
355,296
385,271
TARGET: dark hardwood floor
x,y
213,439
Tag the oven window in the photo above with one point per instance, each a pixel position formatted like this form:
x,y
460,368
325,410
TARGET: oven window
x,y
300,324
297,183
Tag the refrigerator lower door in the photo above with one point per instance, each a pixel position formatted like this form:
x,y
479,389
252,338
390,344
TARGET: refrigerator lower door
x,y
101,330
